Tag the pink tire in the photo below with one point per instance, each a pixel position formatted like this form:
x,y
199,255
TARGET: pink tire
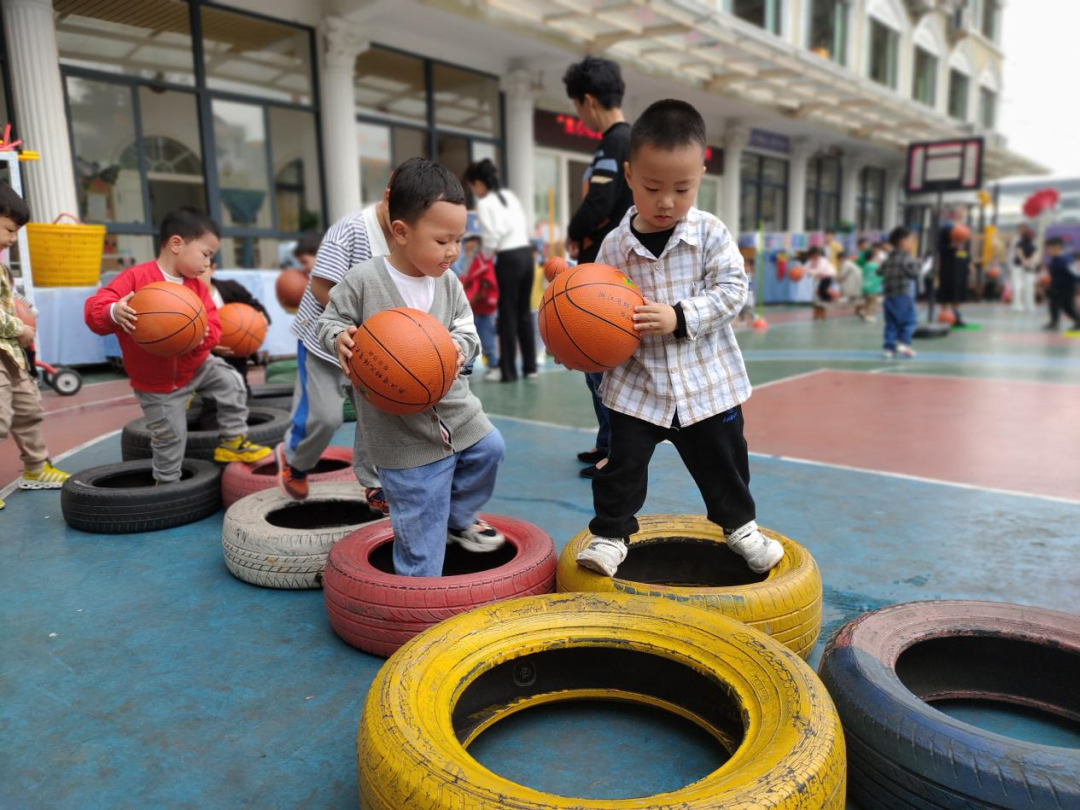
x,y
240,480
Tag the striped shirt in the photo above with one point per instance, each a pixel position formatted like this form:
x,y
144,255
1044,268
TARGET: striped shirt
x,y
703,374
351,240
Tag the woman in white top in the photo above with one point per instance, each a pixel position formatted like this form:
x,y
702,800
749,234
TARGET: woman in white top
x,y
504,234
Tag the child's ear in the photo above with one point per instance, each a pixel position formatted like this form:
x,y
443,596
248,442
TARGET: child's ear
x,y
400,229
626,170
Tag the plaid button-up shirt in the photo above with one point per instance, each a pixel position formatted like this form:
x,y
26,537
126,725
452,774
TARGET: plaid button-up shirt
x,y
703,374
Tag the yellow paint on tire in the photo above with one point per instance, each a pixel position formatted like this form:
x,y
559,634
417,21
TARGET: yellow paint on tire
x,y
786,605
410,753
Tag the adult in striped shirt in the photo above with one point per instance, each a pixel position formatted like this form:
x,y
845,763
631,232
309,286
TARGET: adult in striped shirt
x,y
320,388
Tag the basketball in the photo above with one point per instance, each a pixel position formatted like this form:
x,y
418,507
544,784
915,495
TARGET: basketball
x,y
243,328
834,293
959,234
554,266
760,324
290,286
994,273
586,318
946,316
171,319
1043,279
404,360
795,272
24,313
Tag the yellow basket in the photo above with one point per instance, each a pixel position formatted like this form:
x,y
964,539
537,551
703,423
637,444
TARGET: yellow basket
x,y
65,255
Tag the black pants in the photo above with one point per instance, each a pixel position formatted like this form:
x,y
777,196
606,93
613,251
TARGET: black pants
x,y
514,272
1063,299
714,452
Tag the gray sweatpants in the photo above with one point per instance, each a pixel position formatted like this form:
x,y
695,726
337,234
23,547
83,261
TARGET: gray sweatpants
x,y
318,397
166,414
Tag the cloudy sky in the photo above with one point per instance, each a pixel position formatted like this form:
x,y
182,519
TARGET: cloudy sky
x,y
1040,112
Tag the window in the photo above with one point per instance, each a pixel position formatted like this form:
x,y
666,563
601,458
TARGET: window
x,y
391,85
764,190
823,177
991,19
924,87
987,107
871,207
6,111
762,13
884,48
828,29
958,95
708,196
294,151
466,101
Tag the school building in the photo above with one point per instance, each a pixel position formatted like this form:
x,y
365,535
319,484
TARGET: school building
x,y
280,116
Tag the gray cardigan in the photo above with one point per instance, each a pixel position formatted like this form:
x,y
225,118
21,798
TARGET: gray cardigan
x,y
399,442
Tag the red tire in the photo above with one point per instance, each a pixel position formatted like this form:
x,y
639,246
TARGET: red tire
x,y
377,611
240,480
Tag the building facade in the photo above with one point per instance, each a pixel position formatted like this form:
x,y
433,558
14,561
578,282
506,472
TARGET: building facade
x,y
279,116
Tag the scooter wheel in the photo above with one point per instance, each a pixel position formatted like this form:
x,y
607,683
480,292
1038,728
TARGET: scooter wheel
x,y
66,381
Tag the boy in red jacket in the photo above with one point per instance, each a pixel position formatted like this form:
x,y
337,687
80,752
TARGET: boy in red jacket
x,y
165,385
482,290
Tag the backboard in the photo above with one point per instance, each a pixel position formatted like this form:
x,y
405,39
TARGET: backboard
x,y
938,166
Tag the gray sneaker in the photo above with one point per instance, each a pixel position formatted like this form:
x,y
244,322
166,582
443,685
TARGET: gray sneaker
x,y
760,552
603,555
479,537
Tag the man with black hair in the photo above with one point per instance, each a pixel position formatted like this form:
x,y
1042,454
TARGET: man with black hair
x,y
596,87
1062,292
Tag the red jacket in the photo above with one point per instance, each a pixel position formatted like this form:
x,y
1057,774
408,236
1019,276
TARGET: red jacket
x,y
481,279
148,372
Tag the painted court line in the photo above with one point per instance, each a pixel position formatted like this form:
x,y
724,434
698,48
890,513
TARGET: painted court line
x,y
69,452
901,371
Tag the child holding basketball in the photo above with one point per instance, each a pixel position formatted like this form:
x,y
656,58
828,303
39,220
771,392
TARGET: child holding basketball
x,y
231,292
164,385
687,381
437,467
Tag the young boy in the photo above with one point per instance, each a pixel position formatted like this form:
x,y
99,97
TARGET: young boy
x,y
437,467
482,292
307,248
1062,291
823,271
164,385
687,381
20,401
899,270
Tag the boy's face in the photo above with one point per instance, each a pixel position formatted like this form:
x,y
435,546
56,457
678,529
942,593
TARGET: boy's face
x,y
193,258
584,110
432,243
207,275
664,183
9,232
1051,250
910,244
307,262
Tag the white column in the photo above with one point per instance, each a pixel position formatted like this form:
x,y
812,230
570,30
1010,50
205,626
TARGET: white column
x,y
894,179
342,43
520,88
41,121
735,139
852,164
801,149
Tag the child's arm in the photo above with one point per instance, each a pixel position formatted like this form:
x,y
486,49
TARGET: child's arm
x,y
213,321
726,288
462,328
337,325
99,310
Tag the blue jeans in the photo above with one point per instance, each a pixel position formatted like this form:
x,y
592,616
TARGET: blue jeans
x,y
485,328
427,501
603,434
900,320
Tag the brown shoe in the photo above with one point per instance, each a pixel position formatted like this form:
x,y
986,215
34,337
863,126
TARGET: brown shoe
x,y
296,487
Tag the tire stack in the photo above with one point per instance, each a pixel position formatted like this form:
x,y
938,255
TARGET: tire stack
x,y
240,480
266,426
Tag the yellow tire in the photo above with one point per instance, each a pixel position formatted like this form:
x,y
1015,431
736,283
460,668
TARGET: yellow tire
x,y
683,548
441,690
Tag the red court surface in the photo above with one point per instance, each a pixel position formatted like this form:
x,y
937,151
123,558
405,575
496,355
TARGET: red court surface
x,y
999,434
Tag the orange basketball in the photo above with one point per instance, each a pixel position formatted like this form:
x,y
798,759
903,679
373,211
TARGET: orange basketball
x,y
946,316
795,272
243,328
993,273
171,319
959,234
404,360
586,317
290,286
24,313
554,266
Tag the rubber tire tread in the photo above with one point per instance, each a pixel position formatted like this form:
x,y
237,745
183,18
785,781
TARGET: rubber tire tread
x,y
135,437
104,510
377,612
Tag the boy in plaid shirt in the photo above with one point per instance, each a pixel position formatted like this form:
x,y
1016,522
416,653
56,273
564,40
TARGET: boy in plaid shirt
x,y
687,381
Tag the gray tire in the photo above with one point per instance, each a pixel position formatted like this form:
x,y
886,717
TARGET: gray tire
x,y
268,539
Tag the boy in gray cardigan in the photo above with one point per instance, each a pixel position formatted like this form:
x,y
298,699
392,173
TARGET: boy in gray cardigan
x,y
437,467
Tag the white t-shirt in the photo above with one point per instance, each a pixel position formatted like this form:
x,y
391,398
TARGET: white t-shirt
x,y
215,294
418,291
502,227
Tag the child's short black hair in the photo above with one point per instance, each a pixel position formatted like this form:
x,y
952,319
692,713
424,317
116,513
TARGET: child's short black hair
x,y
187,223
668,124
1055,241
898,235
13,206
815,251
417,185
862,241
600,78
306,246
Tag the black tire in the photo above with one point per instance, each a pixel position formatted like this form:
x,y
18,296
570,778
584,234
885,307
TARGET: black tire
x,y
122,498
885,670
266,426
271,395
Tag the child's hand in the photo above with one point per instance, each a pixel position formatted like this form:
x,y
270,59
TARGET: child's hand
x,y
124,315
345,345
460,360
655,319
26,335
221,350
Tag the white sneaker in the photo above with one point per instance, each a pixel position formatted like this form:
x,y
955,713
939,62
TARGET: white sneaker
x,y
495,375
480,537
905,351
532,375
603,555
760,552
889,354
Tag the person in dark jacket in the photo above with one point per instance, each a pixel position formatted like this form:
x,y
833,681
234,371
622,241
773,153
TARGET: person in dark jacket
x,y
1062,284
596,87
225,292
